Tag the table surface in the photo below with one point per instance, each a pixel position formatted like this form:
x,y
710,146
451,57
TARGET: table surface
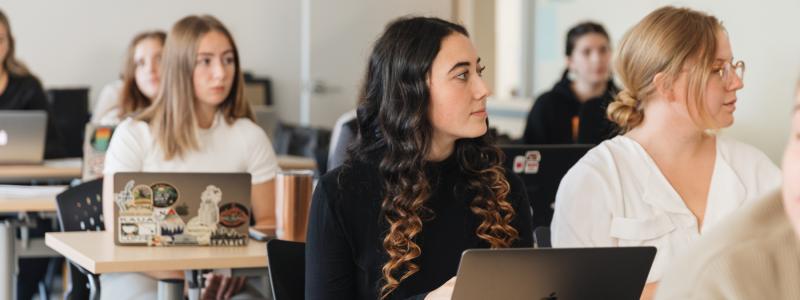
x,y
288,162
96,252
29,198
66,168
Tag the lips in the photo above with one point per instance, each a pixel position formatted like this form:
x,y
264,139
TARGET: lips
x,y
479,113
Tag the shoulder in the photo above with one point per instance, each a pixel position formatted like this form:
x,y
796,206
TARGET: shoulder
x,y
27,81
548,100
353,188
757,233
131,128
735,150
248,128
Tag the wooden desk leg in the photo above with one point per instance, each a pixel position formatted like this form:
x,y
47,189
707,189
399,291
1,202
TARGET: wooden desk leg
x,y
8,260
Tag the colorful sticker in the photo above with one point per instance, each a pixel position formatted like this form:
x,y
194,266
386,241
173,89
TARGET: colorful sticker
x,y
170,223
232,215
532,159
136,229
519,164
101,138
164,195
227,237
142,198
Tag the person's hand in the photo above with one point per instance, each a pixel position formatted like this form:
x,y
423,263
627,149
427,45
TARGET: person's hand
x,y
443,292
221,287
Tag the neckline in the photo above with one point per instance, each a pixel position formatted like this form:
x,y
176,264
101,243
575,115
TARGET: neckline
x,y
680,206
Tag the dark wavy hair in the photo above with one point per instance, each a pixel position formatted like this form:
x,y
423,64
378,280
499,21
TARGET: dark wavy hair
x,y
394,128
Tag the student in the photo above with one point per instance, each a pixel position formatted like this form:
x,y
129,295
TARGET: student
x,y
21,90
668,178
754,253
139,84
574,111
423,182
199,122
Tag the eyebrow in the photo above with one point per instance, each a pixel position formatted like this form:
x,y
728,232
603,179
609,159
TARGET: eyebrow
x,y
212,54
463,64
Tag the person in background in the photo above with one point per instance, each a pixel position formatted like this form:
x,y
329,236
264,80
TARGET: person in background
x,y
199,122
140,80
669,177
21,90
574,111
424,181
754,253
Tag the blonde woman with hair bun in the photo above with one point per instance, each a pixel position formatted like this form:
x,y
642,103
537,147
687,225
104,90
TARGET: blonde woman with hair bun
x,y
668,177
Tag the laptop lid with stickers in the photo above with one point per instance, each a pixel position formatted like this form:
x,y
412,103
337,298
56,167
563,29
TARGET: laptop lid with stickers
x,y
541,168
172,209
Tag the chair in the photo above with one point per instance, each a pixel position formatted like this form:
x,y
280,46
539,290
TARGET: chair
x,y
287,263
541,237
80,208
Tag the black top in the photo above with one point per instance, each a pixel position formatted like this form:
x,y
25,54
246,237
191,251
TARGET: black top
x,y
26,93
344,250
550,119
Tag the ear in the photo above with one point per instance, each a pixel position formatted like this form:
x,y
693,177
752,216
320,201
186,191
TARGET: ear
x,y
568,62
663,85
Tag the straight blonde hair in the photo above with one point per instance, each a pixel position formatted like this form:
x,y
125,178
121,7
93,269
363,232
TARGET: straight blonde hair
x,y
665,41
131,98
172,116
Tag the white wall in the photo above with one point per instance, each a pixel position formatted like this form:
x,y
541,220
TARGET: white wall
x,y
762,33
83,42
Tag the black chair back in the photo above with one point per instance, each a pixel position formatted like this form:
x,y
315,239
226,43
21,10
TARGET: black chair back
x,y
287,264
80,208
70,114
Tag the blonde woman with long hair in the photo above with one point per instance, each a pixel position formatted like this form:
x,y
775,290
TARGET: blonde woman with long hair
x,y
668,177
199,122
141,77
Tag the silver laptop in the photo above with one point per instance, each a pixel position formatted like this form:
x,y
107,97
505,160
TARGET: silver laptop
x,y
173,209
553,273
22,136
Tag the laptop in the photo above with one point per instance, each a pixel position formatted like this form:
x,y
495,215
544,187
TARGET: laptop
x,y
541,168
553,274
95,144
173,209
22,136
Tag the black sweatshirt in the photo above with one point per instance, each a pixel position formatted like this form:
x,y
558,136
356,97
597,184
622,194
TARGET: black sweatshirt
x,y
550,118
26,93
344,250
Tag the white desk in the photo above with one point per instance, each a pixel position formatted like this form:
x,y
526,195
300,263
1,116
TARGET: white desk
x,y
60,169
95,251
20,200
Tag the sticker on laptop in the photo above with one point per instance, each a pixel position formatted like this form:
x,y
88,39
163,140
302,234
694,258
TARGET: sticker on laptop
x,y
232,215
137,229
164,195
528,164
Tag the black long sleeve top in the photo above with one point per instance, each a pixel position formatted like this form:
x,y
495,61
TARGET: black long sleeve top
x,y
344,250
550,120
26,93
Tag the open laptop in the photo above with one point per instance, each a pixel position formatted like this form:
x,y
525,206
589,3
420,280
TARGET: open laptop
x,y
171,209
22,136
541,168
553,274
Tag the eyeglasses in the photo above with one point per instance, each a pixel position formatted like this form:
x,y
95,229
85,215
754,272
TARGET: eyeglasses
x,y
725,72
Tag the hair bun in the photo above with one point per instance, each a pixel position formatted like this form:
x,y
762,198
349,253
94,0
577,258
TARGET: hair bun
x,y
625,110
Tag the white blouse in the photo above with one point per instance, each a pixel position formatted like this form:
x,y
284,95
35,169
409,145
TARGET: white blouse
x,y
617,196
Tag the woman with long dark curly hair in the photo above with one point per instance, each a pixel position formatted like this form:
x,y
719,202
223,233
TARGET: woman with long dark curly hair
x,y
423,182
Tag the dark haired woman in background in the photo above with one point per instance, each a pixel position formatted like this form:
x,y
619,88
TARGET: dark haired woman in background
x,y
20,90
574,111
423,182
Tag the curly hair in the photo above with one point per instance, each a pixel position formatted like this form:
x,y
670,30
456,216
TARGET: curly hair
x,y
393,125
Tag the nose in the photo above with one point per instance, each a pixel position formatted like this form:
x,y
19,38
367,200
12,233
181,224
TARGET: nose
x,y
736,82
479,89
218,69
